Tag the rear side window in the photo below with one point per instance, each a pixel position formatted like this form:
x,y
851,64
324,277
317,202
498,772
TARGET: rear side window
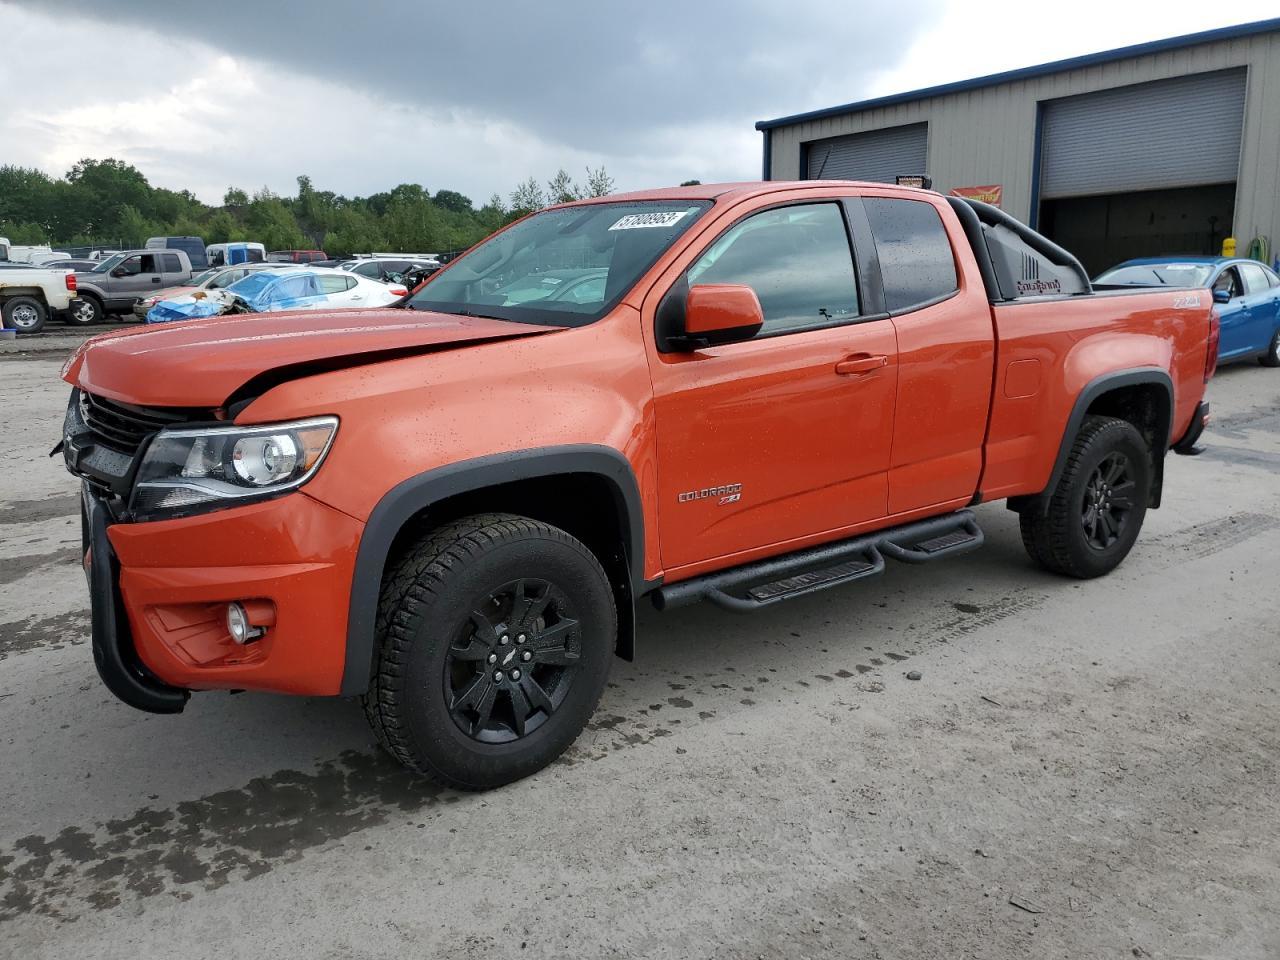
x,y
171,263
796,259
1255,277
916,263
334,284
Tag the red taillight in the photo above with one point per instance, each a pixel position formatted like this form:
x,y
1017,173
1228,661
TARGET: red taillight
x,y
70,280
400,291
1211,353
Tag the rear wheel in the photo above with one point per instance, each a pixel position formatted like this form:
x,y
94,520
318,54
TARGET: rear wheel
x,y
495,635
84,312
1096,511
1272,357
24,314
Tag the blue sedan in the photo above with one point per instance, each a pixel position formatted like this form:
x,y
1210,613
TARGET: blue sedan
x,y
1247,294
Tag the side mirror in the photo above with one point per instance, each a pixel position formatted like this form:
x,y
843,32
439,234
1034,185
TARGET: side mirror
x,y
717,313
1222,296
119,272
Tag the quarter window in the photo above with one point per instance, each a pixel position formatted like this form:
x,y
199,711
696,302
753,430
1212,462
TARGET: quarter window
x,y
916,263
796,259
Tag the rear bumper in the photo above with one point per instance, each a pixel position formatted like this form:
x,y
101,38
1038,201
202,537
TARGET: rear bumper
x,y
161,591
1187,445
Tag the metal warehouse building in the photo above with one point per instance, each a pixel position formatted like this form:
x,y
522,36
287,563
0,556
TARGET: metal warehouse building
x,y
1164,147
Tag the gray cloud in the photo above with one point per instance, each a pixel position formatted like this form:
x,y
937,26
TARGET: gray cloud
x,y
576,71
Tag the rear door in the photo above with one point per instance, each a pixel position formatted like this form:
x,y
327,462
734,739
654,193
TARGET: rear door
x,y
1262,302
784,437
946,351
172,270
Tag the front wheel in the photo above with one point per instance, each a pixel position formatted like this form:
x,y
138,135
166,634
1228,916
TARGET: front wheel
x,y
1272,357
495,635
24,314
1096,511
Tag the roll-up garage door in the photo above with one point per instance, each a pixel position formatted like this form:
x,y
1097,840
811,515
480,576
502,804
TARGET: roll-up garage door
x,y
877,155
1181,132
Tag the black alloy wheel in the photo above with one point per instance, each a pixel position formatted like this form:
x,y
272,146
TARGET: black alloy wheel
x,y
1108,500
513,661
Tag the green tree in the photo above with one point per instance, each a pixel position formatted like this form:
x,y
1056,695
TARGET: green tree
x,y
235,197
690,183
453,201
527,197
599,183
561,189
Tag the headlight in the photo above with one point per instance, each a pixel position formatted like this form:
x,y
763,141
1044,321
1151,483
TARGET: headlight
x,y
191,470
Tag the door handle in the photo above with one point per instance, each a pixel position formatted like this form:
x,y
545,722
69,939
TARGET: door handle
x,y
861,364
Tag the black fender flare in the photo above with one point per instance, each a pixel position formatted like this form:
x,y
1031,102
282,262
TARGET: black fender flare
x,y
1094,389
410,497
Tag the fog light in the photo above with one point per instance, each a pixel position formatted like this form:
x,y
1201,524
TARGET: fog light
x,y
238,625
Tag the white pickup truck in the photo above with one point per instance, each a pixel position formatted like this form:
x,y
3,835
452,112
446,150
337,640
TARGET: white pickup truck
x,y
30,295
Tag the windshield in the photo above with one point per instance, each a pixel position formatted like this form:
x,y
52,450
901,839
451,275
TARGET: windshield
x,y
201,277
598,251
1158,274
108,263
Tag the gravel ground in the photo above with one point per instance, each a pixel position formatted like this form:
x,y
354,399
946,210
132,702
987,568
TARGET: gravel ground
x,y
1084,769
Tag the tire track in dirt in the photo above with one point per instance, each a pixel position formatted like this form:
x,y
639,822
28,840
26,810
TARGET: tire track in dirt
x,y
243,833
44,633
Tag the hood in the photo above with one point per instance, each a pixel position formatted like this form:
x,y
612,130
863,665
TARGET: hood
x,y
202,363
168,293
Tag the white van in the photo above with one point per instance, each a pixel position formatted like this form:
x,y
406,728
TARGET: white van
x,y
229,254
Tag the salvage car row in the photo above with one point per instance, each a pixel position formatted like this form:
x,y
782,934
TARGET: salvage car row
x,y
82,292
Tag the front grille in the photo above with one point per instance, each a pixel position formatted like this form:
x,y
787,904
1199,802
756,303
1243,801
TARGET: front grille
x,y
123,426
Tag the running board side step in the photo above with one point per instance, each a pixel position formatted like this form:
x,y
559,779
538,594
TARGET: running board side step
x,y
766,582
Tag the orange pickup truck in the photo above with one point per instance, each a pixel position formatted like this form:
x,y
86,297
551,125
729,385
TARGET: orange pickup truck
x,y
742,393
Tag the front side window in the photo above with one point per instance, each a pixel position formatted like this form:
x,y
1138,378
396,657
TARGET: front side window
x,y
917,266
503,276
797,260
370,268
1229,282
132,266
151,263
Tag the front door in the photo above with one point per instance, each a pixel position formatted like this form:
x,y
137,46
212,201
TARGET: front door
x,y
1234,338
787,435
138,276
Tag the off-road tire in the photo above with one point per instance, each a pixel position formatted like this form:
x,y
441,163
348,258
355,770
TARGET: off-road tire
x,y
24,314
84,312
1057,538
425,602
1272,357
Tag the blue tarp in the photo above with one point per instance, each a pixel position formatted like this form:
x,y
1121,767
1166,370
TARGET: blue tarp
x,y
263,292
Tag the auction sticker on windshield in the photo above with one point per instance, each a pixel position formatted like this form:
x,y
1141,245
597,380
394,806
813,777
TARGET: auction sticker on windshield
x,y
638,221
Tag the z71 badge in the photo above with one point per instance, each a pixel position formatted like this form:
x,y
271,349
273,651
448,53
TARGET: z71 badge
x,y
725,493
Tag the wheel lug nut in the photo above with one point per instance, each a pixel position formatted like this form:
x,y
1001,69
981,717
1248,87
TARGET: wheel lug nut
x,y
515,674
497,676
520,638
526,656
493,658
504,639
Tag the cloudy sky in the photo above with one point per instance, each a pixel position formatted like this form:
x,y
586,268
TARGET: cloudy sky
x,y
475,96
